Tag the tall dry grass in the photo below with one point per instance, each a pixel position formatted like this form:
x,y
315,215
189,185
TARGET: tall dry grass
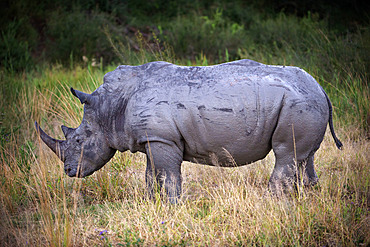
x,y
41,206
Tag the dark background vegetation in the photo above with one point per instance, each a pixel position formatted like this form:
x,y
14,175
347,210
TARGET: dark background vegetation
x,y
59,31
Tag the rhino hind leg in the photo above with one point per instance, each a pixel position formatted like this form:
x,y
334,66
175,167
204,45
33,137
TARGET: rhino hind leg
x,y
297,136
294,165
308,171
284,176
288,176
163,170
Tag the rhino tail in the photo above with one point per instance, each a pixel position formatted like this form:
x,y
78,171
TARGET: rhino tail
x,y
337,141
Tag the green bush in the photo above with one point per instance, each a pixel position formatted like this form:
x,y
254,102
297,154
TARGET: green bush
x,y
16,43
72,35
308,43
283,31
192,35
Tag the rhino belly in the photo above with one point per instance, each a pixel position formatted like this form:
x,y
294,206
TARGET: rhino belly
x,y
225,157
226,139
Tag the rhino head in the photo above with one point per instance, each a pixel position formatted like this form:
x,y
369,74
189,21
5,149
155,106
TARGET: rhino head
x,y
85,149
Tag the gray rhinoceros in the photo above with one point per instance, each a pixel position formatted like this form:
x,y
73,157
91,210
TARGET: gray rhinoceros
x,y
229,114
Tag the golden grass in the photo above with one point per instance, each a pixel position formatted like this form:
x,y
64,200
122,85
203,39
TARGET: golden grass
x,y
219,207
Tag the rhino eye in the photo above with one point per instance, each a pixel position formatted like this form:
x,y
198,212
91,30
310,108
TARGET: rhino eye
x,y
78,140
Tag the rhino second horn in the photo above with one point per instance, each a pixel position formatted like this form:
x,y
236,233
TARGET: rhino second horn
x,y
67,131
53,144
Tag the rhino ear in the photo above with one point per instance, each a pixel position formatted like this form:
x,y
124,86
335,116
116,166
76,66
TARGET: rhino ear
x,y
67,131
83,97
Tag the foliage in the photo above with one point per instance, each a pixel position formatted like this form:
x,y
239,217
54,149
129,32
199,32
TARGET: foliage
x,y
76,34
16,41
190,36
61,31
140,49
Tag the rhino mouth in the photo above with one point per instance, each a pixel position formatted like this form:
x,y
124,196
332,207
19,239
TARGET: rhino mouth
x,y
77,171
71,171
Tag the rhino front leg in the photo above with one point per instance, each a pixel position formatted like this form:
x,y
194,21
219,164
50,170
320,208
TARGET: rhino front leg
x,y
164,164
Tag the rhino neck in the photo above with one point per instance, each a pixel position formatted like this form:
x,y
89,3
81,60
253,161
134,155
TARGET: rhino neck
x,y
114,96
112,119
117,137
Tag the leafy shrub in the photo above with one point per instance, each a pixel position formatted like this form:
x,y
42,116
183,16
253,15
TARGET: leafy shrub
x,y
76,34
16,43
308,43
140,49
282,30
191,36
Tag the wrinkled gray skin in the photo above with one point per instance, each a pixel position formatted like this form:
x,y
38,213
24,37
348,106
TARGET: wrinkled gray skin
x,y
228,115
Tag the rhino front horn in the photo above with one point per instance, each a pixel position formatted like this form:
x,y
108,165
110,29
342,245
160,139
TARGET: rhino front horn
x,y
53,144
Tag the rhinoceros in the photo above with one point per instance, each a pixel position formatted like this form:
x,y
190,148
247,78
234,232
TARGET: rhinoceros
x,y
227,115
